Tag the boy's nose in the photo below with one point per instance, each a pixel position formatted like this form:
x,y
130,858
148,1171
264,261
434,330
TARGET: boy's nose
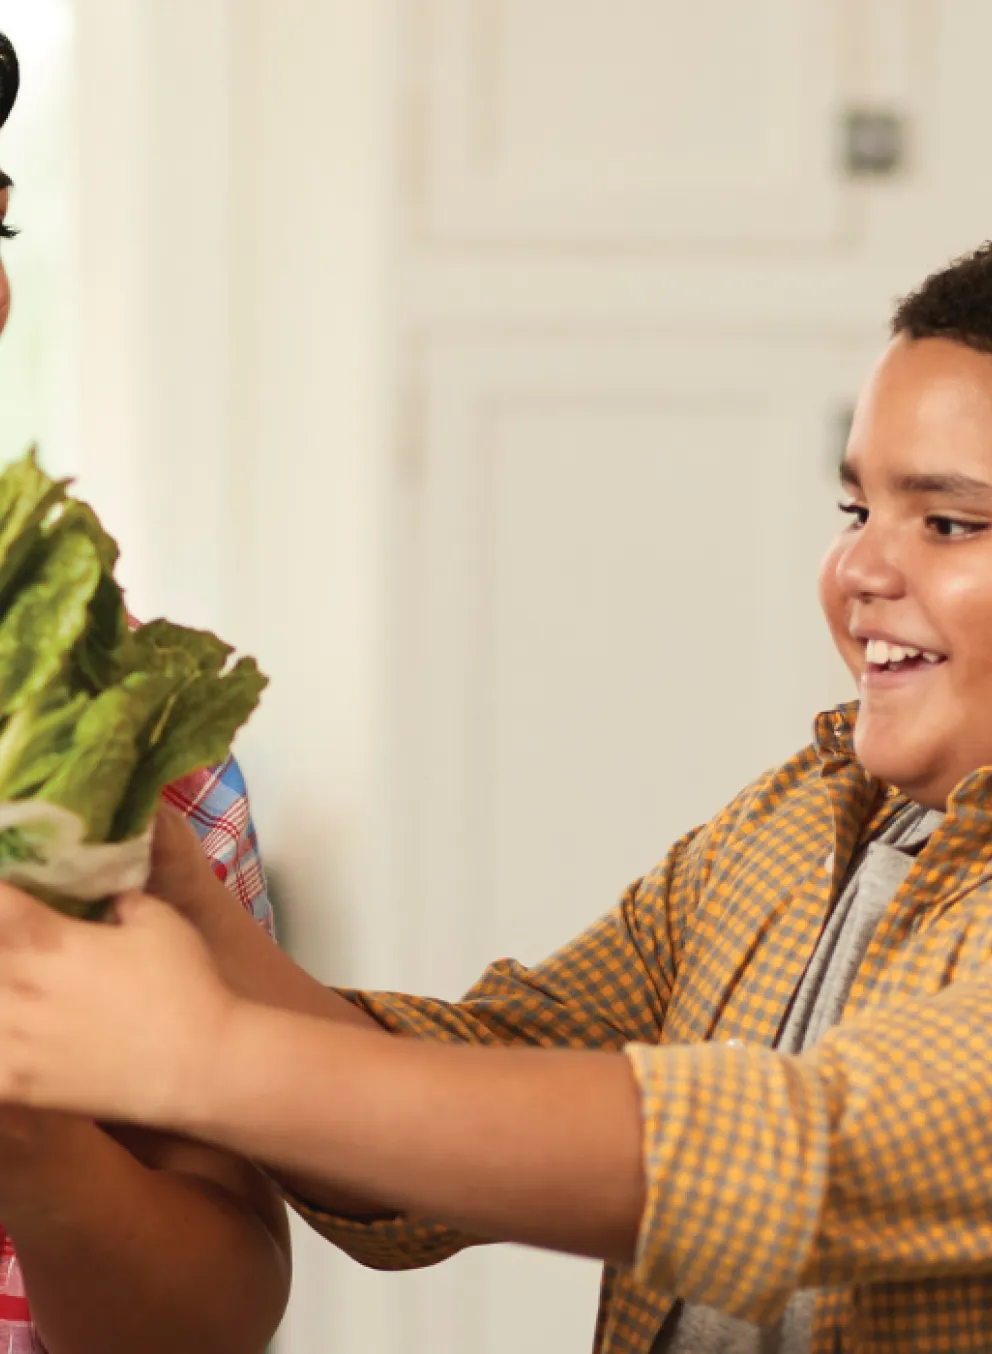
x,y
868,567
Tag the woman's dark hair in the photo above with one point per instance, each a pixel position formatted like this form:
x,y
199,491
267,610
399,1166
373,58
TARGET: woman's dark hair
x,y
10,78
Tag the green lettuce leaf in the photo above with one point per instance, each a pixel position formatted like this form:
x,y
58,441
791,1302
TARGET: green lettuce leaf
x,y
27,497
47,616
94,717
94,774
197,731
36,741
100,658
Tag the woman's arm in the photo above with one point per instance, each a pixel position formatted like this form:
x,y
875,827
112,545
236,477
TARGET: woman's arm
x,y
136,1241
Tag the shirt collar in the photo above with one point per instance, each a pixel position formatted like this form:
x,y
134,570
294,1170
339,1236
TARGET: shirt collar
x,y
833,732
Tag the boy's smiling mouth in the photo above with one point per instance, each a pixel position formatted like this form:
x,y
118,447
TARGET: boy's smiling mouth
x,y
887,660
880,653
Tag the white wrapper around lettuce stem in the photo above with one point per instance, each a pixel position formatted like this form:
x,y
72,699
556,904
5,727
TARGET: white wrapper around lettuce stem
x,y
96,719
52,856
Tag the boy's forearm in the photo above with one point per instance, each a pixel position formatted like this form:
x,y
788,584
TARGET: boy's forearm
x,y
534,1146
261,972
119,1258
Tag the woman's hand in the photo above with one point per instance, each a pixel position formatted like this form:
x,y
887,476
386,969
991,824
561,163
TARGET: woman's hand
x,y
181,873
118,1022
244,955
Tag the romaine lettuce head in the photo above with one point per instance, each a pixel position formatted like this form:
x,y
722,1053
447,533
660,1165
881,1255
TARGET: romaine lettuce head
x,y
96,717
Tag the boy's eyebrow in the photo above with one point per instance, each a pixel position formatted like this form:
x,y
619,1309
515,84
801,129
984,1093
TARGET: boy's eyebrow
x,y
951,485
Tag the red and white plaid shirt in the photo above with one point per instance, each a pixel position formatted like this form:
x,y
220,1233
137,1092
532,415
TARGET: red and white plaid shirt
x,y
216,803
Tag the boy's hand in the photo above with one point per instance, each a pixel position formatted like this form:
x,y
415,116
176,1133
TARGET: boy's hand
x,y
115,1022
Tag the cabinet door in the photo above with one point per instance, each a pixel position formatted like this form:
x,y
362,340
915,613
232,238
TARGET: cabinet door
x,y
630,121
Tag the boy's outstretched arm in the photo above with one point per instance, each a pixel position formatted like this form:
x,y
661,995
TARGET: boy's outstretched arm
x,y
729,1174
133,1023
533,1146
552,1005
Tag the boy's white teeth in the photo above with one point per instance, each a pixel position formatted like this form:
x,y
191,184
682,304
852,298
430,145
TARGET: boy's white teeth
x,y
879,653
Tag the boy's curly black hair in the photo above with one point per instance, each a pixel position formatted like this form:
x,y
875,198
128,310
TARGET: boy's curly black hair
x,y
953,303
10,78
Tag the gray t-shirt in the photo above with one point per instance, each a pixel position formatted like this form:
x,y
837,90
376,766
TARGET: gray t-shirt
x,y
872,881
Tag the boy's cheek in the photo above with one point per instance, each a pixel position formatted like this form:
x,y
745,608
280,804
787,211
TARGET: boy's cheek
x,y
828,586
833,603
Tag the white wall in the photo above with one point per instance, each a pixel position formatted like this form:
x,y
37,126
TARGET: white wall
x,y
233,419
232,306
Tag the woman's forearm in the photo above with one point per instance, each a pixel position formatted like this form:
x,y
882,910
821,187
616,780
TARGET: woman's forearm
x,y
119,1258
260,971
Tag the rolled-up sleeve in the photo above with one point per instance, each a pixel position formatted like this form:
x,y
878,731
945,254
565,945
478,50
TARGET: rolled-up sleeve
x,y
866,1158
735,1160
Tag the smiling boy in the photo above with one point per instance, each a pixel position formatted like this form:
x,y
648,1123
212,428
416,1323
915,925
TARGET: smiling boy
x,y
908,591
760,1089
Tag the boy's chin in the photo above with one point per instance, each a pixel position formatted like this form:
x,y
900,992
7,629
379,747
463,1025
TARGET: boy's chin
x,y
892,761
925,789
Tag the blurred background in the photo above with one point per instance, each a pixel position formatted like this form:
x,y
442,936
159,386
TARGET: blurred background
x,y
483,367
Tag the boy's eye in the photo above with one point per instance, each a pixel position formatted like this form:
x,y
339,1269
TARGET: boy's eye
x,y
855,511
953,528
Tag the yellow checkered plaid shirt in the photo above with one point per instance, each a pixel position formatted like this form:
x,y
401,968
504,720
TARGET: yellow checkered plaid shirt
x,y
862,1167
